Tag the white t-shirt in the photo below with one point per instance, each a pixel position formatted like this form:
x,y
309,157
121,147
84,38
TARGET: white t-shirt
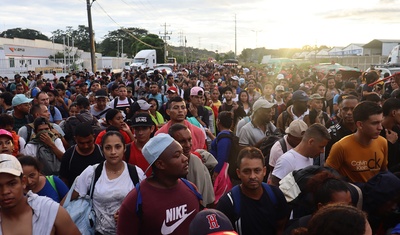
x,y
290,161
276,152
121,103
107,196
31,149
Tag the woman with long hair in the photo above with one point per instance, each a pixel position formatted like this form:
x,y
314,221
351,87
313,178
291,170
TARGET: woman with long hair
x,y
244,102
113,184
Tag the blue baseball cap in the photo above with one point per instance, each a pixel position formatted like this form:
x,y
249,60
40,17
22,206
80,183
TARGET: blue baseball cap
x,y
155,147
20,99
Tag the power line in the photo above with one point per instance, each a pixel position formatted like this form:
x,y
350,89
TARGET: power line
x,y
125,30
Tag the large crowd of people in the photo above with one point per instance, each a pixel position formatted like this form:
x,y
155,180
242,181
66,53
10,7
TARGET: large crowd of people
x,y
231,139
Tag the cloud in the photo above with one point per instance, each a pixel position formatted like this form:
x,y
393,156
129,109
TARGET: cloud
x,y
371,14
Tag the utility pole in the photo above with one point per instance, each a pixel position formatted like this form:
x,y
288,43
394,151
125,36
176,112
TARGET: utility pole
x,y
64,54
165,37
184,53
256,31
73,54
118,48
91,36
235,39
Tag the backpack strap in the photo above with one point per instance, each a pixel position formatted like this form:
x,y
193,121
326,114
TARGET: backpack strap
x,y
52,110
128,152
72,156
235,199
50,178
139,210
285,115
101,152
283,144
270,193
133,174
224,135
97,173
162,98
103,112
29,130
235,196
198,195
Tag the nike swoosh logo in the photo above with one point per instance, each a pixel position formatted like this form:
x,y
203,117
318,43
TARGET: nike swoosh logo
x,y
170,229
4,161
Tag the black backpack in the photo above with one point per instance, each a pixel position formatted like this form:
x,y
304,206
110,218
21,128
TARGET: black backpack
x,y
302,202
131,169
267,144
233,154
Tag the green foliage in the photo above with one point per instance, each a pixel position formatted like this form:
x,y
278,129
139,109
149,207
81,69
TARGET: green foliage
x,y
153,40
109,46
24,33
80,36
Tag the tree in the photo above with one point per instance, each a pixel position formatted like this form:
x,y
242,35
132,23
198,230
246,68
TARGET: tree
x,y
247,55
24,33
153,40
109,46
80,36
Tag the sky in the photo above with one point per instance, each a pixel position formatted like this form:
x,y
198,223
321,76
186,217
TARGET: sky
x,y
210,24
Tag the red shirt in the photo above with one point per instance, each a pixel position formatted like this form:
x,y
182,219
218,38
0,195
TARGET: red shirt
x,y
136,158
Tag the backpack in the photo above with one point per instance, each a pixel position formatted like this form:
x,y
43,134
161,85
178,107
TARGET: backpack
x,y
72,122
139,200
116,102
235,198
94,123
50,178
233,154
8,88
51,164
97,172
267,144
285,116
294,187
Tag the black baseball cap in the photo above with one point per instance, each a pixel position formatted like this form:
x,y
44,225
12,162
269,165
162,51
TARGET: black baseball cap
x,y
142,119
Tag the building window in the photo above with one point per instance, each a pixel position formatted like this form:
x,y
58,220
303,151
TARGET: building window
x,y
12,62
47,62
38,62
30,62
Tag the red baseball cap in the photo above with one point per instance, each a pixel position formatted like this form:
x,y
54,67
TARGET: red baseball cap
x,y
172,89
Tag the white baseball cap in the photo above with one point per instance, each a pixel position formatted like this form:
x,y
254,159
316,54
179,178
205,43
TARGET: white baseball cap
x,y
10,165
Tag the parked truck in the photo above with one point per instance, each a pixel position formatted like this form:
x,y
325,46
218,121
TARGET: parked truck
x,y
393,57
144,59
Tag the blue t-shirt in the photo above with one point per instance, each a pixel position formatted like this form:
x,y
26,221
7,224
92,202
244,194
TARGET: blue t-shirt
x,y
161,99
49,191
